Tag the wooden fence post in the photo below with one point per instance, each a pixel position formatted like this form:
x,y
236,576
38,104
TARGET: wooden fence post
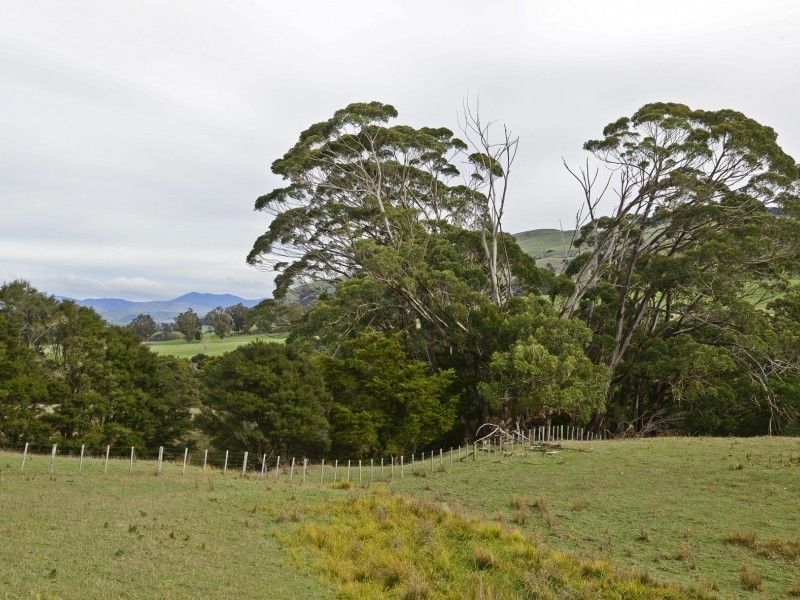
x,y
278,466
52,460
335,470
322,473
24,456
160,459
305,466
371,469
225,465
264,465
359,470
451,456
105,465
474,450
402,466
391,470
348,470
441,458
205,460
130,470
291,470
185,460
80,465
381,468
244,464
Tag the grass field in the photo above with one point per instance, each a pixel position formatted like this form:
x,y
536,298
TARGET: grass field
x,y
691,512
545,245
210,344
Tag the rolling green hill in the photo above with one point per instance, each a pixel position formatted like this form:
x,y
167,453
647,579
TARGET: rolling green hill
x,y
545,245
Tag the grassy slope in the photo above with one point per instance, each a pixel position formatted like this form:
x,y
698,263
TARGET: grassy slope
x,y
545,245
638,503
210,344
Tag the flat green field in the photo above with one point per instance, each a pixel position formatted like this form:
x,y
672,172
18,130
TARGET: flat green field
x,y
211,344
691,512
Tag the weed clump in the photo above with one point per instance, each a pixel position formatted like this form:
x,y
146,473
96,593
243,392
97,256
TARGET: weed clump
x,y
751,578
383,545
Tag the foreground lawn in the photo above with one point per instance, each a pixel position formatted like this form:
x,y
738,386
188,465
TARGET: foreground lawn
x,y
690,512
211,344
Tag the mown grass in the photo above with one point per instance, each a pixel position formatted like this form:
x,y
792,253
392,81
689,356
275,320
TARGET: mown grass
x,y
709,514
211,344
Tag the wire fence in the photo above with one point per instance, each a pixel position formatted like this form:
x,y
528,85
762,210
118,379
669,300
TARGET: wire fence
x,y
105,459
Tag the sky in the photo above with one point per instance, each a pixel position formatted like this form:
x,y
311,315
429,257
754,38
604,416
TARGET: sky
x,y
136,136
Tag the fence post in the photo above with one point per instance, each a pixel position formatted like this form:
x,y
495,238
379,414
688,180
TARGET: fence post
x,y
52,459
474,450
185,459
291,471
359,470
305,465
105,464
225,465
80,465
441,458
381,468
335,470
24,456
391,471
278,466
402,466
348,470
322,473
160,459
371,469
244,464
264,464
205,460
130,470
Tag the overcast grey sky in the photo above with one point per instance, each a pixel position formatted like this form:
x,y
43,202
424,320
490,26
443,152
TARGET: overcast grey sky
x,y
135,136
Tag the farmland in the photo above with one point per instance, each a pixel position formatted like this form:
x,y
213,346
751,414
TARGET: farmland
x,y
210,345
686,511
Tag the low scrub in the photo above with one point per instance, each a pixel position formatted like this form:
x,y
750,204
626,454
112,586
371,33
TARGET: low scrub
x,y
385,546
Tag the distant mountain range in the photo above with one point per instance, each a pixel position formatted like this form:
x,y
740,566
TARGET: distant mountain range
x,y
121,312
545,245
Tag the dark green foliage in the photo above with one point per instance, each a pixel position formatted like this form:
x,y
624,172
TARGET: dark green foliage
x,y
384,402
220,321
188,323
81,381
143,326
265,397
238,314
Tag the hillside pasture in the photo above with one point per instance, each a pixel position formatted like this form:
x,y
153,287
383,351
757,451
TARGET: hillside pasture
x,y
691,512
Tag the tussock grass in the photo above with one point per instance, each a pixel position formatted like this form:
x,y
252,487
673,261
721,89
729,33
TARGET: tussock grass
x,y
788,549
750,577
387,546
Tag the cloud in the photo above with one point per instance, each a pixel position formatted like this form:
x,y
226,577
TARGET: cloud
x,y
136,136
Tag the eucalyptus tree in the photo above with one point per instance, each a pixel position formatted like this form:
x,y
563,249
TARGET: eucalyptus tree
x,y
408,221
689,221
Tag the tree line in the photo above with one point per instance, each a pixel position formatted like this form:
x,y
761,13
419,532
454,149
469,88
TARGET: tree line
x,y
414,317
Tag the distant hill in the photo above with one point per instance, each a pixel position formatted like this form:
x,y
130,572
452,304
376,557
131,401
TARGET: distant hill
x,y
120,311
547,246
